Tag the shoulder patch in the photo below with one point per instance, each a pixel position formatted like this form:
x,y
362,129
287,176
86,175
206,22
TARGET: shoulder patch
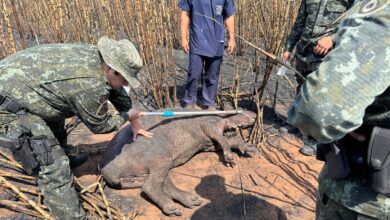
x,y
370,6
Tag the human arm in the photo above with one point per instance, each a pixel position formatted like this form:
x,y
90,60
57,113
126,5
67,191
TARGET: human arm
x,y
333,99
326,43
184,22
122,102
228,14
229,22
296,31
91,106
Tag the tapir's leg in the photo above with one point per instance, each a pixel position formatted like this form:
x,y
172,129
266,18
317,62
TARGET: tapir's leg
x,y
242,146
187,199
215,133
132,182
153,187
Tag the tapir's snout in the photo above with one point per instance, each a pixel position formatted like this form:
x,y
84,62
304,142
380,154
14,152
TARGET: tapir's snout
x,y
243,119
111,176
250,117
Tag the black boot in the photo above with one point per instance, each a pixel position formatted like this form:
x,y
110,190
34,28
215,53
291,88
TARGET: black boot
x,y
75,160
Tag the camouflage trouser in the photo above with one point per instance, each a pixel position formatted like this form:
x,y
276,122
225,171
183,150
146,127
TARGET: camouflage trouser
x,y
306,61
348,199
328,209
56,180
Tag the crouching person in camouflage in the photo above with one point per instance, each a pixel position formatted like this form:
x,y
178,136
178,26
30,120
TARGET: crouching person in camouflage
x,y
43,85
345,105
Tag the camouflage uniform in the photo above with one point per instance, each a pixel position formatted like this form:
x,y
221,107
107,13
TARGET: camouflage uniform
x,y
350,88
55,82
314,21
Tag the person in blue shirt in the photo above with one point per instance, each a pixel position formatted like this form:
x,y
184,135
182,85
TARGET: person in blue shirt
x,y
205,45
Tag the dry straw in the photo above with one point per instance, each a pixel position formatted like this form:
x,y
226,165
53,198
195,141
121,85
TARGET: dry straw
x,y
93,198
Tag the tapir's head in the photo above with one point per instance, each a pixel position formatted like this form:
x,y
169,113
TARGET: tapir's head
x,y
244,119
116,160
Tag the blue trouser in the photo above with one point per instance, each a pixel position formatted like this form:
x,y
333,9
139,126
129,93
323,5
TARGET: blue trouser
x,y
211,66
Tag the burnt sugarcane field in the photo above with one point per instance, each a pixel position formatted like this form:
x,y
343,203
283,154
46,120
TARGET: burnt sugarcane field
x,y
191,109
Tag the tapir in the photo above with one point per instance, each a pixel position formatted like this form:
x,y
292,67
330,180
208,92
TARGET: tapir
x,y
146,162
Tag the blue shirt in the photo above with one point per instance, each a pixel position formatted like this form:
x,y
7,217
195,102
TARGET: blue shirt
x,y
207,37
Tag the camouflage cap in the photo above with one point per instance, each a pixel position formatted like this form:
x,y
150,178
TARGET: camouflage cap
x,y
121,56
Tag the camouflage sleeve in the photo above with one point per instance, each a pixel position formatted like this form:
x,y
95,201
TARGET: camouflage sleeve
x,y
121,101
333,29
333,100
297,29
91,107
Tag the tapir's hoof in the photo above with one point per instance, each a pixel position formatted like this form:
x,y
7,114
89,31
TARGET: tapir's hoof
x,y
191,201
196,201
172,210
228,159
251,150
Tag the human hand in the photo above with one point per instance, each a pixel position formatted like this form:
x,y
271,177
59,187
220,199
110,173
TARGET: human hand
x,y
231,46
133,114
286,56
185,46
324,45
137,129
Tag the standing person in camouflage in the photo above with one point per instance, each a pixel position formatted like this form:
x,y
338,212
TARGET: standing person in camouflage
x,y
56,81
313,34
344,103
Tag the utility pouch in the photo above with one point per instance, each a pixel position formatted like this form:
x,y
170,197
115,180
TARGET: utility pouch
x,y
378,160
42,150
337,161
23,153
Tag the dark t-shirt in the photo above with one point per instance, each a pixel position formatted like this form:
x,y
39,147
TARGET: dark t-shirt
x,y
207,37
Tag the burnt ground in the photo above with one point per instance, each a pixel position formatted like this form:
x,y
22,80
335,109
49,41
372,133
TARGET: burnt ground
x,y
278,183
